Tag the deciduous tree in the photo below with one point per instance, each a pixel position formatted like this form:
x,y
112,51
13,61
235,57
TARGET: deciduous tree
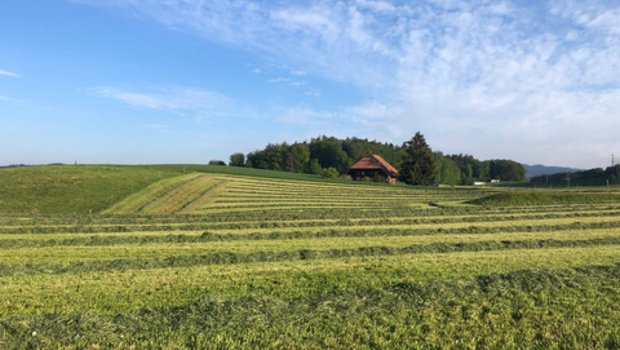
x,y
237,159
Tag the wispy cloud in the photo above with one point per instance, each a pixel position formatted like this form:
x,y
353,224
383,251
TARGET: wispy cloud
x,y
538,81
180,100
287,81
17,102
157,126
6,73
307,116
298,72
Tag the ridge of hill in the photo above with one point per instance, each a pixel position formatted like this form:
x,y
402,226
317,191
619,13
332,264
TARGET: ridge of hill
x,y
539,169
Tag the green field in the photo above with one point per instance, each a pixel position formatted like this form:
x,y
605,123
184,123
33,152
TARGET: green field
x,y
217,257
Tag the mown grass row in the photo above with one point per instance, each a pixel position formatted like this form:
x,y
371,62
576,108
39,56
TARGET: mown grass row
x,y
110,292
308,214
76,253
232,257
380,223
570,308
140,200
537,198
146,237
189,195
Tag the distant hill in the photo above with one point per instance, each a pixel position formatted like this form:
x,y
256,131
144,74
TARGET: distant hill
x,y
539,169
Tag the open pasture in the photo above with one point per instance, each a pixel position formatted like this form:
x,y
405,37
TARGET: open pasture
x,y
207,260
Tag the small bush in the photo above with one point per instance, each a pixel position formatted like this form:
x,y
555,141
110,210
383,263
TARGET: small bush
x,y
217,162
330,173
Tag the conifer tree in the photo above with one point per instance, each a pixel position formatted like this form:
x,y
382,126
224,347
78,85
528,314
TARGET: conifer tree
x,y
419,164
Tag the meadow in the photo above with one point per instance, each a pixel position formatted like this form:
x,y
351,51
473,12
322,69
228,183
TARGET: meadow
x,y
217,257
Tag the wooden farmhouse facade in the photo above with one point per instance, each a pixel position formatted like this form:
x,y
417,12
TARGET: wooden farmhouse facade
x,y
373,166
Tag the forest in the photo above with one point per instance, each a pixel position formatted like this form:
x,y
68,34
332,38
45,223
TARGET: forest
x,y
331,157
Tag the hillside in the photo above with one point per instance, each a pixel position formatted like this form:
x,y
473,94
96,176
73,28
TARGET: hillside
x,y
196,189
539,169
82,189
200,193
73,189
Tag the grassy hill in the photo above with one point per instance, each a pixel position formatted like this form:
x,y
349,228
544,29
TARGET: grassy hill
x,y
82,189
73,189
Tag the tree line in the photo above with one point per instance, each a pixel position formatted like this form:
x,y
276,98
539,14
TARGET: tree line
x,y
591,177
417,163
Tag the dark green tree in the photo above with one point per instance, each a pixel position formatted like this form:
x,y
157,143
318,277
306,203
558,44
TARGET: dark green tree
x,y
328,151
237,159
356,148
419,164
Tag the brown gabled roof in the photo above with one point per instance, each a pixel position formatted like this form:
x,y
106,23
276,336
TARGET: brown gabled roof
x,y
374,161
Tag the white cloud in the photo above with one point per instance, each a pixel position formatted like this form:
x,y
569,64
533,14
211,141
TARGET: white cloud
x,y
536,81
178,100
6,73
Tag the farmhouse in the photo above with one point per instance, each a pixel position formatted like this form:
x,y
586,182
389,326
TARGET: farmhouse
x,y
373,166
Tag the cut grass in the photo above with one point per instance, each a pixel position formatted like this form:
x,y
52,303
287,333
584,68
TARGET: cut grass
x,y
138,201
200,259
130,290
537,198
62,258
209,193
521,309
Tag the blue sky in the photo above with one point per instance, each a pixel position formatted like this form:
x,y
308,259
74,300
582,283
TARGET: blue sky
x,y
154,81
